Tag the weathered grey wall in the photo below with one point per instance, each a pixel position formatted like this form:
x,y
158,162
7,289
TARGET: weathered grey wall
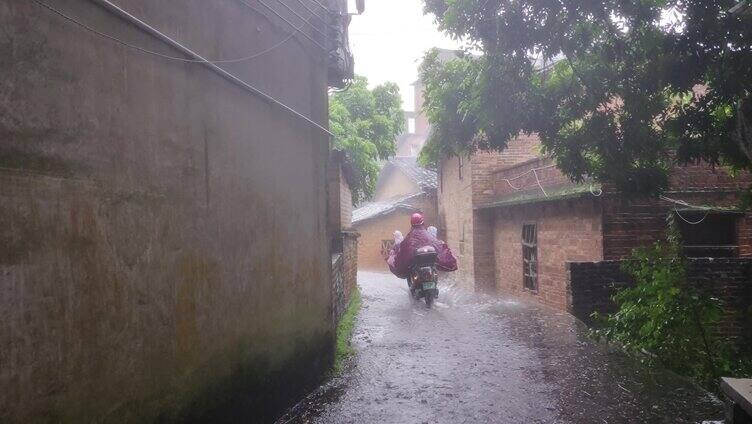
x,y
162,232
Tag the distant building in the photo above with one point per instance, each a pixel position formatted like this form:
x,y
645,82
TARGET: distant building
x,y
410,143
403,188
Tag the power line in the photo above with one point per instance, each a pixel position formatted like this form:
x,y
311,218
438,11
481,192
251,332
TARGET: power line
x,y
306,21
539,183
151,52
107,4
321,6
509,180
707,210
299,30
302,3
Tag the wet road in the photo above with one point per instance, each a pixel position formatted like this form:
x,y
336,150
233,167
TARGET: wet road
x,y
474,359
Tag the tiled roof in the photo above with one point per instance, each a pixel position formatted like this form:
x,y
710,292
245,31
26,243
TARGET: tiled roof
x,y
425,178
376,209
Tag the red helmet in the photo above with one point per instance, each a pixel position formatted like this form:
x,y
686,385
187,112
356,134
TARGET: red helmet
x,y
417,220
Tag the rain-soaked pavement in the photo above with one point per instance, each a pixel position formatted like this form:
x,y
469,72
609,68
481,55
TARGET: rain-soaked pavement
x,y
474,359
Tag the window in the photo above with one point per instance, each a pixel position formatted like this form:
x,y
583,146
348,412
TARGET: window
x,y
386,247
460,164
411,125
708,234
530,257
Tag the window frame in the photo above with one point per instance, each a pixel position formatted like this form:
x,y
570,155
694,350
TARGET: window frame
x,y
460,165
683,218
530,248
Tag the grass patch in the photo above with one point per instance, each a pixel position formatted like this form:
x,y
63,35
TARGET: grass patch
x,y
344,348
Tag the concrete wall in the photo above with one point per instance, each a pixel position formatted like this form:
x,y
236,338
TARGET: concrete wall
x,y
163,241
567,231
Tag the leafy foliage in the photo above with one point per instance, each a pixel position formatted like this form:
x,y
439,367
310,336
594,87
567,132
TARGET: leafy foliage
x,y
670,320
447,96
365,124
343,347
617,90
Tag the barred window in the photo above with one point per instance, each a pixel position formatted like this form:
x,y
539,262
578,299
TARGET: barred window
x,y
386,247
530,257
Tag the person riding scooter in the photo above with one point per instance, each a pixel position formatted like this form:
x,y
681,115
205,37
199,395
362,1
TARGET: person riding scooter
x,y
419,237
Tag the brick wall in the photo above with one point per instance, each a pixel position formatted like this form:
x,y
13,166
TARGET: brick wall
x,y
524,177
568,230
484,257
339,207
729,279
519,150
338,288
350,264
344,274
345,203
591,285
628,224
469,233
456,216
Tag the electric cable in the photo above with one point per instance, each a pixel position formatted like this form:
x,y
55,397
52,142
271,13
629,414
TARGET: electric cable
x,y
509,180
271,9
154,53
117,10
299,16
691,222
683,203
539,183
302,3
326,9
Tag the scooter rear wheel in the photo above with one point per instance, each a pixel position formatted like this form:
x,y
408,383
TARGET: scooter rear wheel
x,y
429,299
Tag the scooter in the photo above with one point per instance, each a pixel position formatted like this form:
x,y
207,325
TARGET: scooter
x,y
424,276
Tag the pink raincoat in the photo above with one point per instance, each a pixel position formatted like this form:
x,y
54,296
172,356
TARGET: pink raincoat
x,y
402,255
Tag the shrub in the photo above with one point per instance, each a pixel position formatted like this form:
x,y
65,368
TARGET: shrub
x,y
669,322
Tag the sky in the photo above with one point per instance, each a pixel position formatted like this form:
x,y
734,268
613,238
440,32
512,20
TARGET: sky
x,y
389,40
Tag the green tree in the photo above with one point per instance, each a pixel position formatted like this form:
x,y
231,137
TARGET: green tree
x,y
635,86
365,124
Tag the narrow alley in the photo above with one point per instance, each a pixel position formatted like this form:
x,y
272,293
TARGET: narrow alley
x,y
474,359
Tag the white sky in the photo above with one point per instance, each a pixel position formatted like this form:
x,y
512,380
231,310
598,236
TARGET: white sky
x,y
389,40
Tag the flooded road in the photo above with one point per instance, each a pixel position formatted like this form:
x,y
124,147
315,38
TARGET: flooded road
x,y
474,359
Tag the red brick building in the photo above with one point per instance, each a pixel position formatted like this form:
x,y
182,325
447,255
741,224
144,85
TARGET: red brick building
x,y
465,183
516,221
